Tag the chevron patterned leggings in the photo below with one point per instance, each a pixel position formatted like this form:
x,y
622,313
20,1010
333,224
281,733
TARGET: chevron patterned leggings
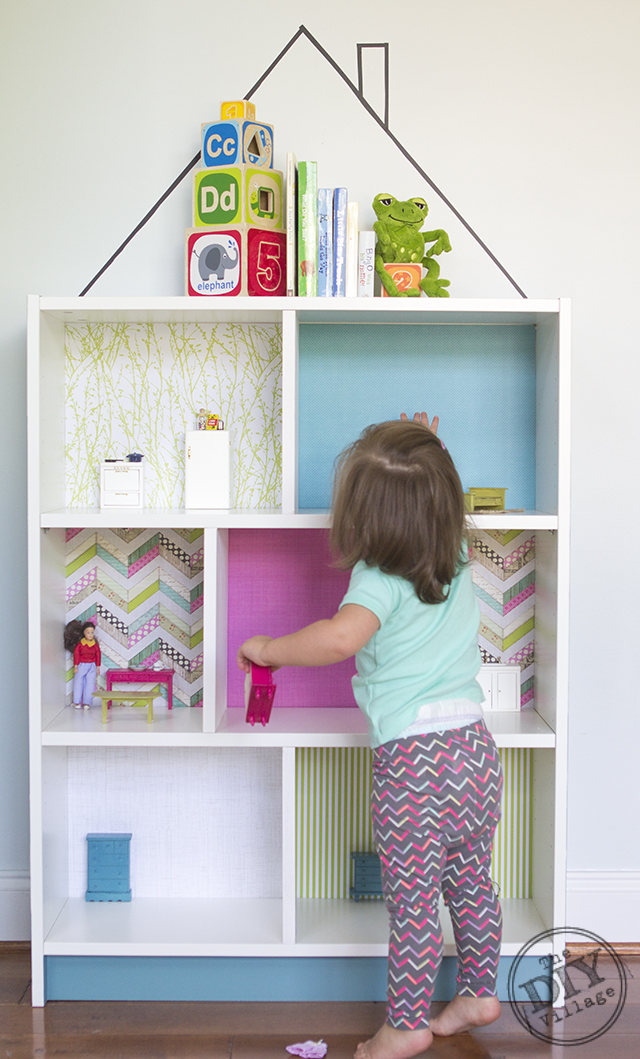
x,y
435,802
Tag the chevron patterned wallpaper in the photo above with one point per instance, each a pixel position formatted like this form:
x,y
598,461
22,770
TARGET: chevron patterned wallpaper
x,y
138,387
503,570
143,590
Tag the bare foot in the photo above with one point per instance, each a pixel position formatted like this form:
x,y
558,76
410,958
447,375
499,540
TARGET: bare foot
x,y
390,1043
465,1013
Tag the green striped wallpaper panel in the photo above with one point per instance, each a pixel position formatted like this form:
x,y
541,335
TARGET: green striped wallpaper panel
x,y
332,819
511,863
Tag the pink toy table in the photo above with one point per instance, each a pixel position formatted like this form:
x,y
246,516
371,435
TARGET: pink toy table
x,y
142,676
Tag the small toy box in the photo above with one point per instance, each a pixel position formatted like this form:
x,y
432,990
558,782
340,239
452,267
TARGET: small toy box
x,y
259,692
108,867
121,484
500,683
367,876
207,478
484,498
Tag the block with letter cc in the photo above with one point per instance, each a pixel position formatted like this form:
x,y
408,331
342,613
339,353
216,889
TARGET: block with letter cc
x,y
227,143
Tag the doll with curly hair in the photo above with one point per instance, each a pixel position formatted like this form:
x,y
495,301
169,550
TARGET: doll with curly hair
x,y
80,640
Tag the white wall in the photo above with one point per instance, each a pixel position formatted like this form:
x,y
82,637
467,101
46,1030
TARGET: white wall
x,y
524,113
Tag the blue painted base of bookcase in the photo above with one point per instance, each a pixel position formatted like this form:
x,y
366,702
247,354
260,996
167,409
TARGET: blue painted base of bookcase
x,y
236,978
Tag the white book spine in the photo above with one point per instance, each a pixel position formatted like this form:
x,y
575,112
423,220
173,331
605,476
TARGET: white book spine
x,y
351,270
366,264
291,224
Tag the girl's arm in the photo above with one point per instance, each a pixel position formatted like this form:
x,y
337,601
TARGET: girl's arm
x,y
320,644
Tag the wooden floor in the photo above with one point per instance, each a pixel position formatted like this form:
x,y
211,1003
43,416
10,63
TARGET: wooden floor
x,y
117,1030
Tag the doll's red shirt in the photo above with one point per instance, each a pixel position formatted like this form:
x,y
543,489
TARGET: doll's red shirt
x,y
87,652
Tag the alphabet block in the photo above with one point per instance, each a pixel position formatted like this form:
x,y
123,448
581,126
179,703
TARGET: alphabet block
x,y
240,142
237,195
235,260
239,108
406,275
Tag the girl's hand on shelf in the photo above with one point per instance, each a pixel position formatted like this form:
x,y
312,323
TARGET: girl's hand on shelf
x,y
422,417
252,651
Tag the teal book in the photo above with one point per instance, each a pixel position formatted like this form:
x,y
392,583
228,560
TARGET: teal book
x,y
307,229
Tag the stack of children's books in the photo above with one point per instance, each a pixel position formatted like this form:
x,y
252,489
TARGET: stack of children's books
x,y
327,255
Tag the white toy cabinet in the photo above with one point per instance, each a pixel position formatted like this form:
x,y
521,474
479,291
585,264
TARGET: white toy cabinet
x,y
199,789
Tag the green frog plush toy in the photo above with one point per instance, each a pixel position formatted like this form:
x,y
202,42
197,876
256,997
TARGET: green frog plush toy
x,y
399,239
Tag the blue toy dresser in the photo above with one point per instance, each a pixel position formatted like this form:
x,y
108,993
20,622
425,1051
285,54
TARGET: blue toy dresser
x,y
108,867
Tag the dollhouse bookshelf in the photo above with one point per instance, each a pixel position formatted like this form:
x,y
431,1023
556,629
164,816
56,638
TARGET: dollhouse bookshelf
x,y
504,366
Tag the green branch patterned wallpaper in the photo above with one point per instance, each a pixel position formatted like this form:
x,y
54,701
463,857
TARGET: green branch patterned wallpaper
x,y
137,388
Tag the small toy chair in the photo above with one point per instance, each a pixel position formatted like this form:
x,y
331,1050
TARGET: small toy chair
x,y
259,691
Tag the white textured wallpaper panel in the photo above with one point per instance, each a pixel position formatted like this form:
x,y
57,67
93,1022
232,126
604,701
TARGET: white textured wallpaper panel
x,y
205,823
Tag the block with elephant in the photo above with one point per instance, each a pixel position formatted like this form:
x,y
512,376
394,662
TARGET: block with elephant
x,y
236,259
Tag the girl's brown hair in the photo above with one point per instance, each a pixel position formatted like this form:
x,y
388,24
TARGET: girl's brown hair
x,y
398,504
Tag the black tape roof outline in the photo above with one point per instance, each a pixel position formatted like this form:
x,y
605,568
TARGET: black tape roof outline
x,y
357,91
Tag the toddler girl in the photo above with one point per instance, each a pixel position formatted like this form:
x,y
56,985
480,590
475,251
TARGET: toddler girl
x,y
410,617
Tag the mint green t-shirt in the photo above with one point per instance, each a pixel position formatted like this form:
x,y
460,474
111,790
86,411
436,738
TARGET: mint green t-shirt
x,y
422,652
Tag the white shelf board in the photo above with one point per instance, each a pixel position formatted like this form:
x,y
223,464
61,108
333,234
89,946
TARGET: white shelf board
x,y
269,310
516,520
297,727
126,726
182,727
176,517
519,728
167,927
248,927
350,928
235,518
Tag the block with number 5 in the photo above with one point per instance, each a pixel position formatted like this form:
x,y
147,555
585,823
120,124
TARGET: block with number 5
x,y
266,262
232,260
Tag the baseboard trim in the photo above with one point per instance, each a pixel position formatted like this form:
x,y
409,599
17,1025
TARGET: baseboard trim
x,y
607,903
10,948
15,914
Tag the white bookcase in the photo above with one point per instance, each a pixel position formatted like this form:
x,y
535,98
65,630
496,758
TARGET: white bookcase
x,y
257,913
